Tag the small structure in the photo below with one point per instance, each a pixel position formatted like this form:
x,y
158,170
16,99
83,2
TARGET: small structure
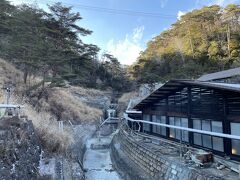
x,y
227,76
110,115
8,109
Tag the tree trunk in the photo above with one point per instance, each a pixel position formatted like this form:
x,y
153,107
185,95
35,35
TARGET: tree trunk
x,y
190,40
25,75
228,40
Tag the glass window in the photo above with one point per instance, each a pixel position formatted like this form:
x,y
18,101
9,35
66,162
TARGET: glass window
x,y
184,133
197,124
206,125
159,127
217,141
163,129
146,127
216,126
197,138
235,130
154,119
207,140
178,132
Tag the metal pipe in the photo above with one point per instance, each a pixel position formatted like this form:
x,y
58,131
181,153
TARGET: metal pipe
x,y
230,136
10,106
133,111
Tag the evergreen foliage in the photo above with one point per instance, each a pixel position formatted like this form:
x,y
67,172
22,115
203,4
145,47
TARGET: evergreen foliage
x,y
202,41
49,45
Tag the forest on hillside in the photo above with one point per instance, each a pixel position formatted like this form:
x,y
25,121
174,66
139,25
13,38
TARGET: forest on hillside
x,y
201,41
48,45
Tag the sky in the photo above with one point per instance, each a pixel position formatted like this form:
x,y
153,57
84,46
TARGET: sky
x,y
123,27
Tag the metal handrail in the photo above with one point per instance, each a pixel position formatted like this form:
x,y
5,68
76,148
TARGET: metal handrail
x,y
230,136
108,119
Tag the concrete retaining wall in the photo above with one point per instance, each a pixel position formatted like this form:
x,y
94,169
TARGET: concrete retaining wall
x,y
148,162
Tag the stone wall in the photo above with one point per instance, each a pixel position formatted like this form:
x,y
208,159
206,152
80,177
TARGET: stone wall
x,y
150,163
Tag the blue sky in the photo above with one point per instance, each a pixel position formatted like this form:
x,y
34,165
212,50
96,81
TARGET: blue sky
x,y
123,35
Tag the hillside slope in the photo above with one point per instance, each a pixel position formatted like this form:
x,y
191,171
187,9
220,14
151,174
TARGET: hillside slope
x,y
201,41
46,106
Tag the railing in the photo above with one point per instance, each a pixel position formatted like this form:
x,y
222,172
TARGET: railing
x,y
231,165
230,136
110,120
10,106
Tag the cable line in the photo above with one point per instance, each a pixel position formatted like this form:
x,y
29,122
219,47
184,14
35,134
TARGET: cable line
x,y
114,11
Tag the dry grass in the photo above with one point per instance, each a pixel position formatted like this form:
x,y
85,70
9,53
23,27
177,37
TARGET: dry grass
x,y
70,108
60,104
51,137
88,91
125,98
46,126
9,75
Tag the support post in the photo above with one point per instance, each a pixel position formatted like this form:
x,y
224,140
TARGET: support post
x,y
226,128
167,118
189,114
151,126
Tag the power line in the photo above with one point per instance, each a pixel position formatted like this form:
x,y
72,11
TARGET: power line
x,y
116,11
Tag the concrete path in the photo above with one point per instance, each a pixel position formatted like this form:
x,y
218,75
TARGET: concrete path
x,y
97,161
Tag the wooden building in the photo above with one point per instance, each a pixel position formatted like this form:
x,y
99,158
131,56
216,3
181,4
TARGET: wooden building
x,y
227,76
199,105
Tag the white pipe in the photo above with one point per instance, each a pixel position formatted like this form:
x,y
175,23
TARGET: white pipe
x,y
108,120
185,129
129,104
10,106
104,121
133,112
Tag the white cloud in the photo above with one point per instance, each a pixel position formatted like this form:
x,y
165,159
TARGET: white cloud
x,y
179,14
163,3
223,2
137,34
127,50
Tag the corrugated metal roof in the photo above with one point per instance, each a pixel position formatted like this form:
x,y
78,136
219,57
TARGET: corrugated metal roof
x,y
220,75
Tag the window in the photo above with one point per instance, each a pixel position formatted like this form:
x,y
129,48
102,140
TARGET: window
x,y
146,127
177,133
196,136
163,129
235,130
185,133
159,129
208,141
217,141
154,119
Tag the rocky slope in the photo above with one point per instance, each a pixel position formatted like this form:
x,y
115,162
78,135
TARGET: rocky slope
x,y
19,149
